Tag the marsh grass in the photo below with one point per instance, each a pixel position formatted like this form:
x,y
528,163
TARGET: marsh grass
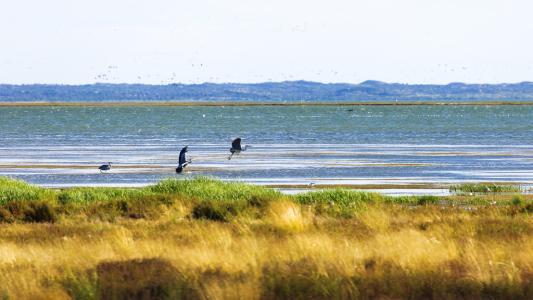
x,y
84,196
206,239
338,202
484,188
217,200
11,190
205,188
212,199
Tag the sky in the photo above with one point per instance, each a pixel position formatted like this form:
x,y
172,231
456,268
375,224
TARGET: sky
x,y
168,41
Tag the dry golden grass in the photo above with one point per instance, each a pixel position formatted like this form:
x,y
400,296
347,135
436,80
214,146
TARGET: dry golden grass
x,y
387,251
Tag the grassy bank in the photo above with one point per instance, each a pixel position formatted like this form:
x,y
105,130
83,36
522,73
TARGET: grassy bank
x,y
205,239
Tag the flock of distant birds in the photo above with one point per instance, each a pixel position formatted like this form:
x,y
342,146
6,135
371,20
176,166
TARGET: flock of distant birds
x,y
236,148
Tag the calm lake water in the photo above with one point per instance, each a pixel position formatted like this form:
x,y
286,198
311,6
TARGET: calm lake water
x,y
63,146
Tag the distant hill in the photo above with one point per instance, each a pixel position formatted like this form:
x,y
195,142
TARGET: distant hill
x,y
270,91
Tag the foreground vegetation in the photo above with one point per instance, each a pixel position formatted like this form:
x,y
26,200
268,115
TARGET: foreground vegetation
x,y
205,239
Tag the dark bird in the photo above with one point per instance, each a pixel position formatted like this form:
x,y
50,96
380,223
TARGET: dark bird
x,y
183,162
105,167
236,147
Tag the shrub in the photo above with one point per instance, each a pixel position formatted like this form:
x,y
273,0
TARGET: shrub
x,y
517,200
40,212
147,207
528,208
34,211
143,279
6,216
219,210
81,286
206,210
425,200
303,279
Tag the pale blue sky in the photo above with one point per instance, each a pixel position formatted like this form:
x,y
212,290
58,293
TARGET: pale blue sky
x,y
163,41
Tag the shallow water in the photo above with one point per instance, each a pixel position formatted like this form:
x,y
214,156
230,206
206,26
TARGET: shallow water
x,y
381,145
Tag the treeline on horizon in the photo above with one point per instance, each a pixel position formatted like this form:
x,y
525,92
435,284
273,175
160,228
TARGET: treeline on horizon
x,y
271,91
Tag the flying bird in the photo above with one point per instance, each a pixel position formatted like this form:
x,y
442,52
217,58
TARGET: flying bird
x,y
105,167
236,147
183,162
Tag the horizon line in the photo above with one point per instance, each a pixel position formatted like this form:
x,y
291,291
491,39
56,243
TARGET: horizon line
x,y
370,81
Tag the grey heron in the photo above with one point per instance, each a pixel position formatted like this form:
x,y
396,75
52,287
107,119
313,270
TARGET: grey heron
x,y
183,162
236,147
105,167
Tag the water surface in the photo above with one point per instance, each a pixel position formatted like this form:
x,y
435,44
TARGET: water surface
x,y
63,146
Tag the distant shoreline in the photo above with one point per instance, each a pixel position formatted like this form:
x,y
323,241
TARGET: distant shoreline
x,y
238,103
267,92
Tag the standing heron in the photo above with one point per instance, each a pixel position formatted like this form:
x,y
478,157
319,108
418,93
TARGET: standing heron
x,y
183,162
236,147
105,167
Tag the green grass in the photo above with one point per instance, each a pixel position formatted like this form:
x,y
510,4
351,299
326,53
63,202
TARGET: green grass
x,y
217,200
205,188
81,286
211,199
484,188
83,196
17,190
338,202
